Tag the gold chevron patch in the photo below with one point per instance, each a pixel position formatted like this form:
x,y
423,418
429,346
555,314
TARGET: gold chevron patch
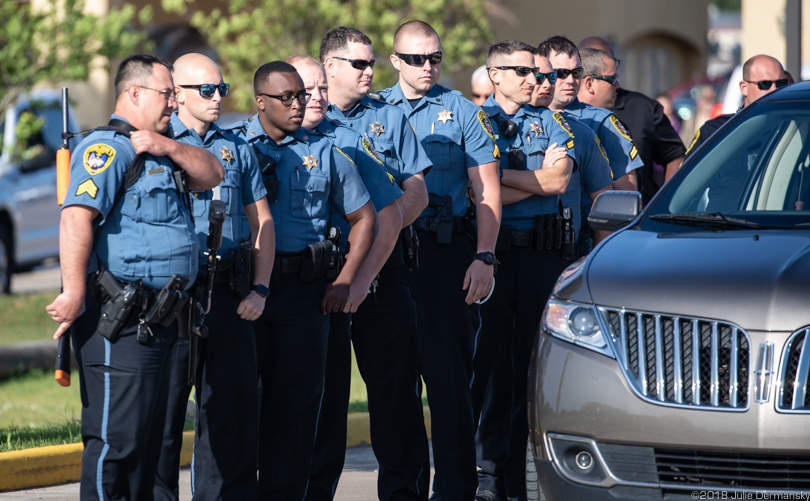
x,y
88,187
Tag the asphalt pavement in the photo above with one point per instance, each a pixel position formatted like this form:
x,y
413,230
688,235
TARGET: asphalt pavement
x,y
45,277
358,482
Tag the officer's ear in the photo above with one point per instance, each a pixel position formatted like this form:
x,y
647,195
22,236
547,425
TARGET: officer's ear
x,y
744,88
587,83
179,94
134,93
394,61
259,103
329,66
494,76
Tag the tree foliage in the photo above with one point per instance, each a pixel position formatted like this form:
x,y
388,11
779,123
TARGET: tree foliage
x,y
60,43
249,33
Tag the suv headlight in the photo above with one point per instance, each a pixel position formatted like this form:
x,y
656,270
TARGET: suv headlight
x,y
576,323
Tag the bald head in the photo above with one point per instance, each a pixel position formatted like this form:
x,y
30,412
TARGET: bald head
x,y
415,29
598,43
758,71
195,109
314,77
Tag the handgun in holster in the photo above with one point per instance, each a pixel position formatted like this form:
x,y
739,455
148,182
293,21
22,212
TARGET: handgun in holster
x,y
267,166
410,246
168,302
568,248
120,301
443,220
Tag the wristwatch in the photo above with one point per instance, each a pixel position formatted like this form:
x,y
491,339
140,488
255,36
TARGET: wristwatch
x,y
488,258
261,290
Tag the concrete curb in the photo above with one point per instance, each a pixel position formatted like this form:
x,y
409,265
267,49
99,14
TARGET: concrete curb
x,y
58,464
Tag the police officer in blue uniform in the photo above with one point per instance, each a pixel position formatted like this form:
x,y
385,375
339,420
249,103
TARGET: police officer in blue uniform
x,y
141,238
226,399
526,275
387,353
614,136
307,176
455,270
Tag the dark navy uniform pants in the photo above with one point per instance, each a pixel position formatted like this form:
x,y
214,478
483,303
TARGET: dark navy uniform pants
x,y
524,281
447,327
121,385
291,340
383,331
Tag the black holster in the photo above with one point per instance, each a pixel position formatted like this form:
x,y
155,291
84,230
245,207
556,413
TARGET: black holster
x,y
165,306
568,248
240,273
442,226
410,246
317,259
118,303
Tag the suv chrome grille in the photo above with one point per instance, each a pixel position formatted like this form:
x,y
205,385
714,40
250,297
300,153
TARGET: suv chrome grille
x,y
793,394
732,469
682,361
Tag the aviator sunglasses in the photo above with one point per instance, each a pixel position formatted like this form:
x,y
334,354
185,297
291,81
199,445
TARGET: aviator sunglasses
x,y
766,84
419,59
208,90
358,64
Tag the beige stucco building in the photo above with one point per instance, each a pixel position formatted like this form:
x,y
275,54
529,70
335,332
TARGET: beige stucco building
x,y
763,29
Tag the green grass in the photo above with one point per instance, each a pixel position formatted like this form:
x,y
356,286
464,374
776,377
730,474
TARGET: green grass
x,y
25,319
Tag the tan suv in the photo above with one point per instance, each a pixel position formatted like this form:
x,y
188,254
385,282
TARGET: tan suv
x,y
673,361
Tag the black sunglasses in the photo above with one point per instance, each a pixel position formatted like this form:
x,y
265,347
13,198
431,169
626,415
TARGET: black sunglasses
x,y
766,84
419,59
208,90
358,64
611,79
287,99
552,77
521,71
563,73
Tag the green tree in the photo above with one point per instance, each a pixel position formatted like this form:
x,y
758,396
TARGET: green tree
x,y
60,43
249,33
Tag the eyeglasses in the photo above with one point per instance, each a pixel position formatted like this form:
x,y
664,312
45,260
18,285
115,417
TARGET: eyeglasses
x,y
521,71
419,59
167,94
611,79
287,99
358,64
563,73
766,84
208,90
552,77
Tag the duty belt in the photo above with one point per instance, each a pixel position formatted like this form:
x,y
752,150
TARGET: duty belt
x,y
288,264
425,223
522,238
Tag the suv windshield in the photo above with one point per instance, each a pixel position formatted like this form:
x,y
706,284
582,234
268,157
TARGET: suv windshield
x,y
755,175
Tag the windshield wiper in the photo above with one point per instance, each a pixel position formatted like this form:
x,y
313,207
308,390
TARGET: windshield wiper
x,y
702,219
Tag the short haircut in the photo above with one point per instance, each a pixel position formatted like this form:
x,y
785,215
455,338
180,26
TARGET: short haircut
x,y
750,62
337,39
136,70
557,45
507,48
418,28
265,70
304,59
480,73
593,61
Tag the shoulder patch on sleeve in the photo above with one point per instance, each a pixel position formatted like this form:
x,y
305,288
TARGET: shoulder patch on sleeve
x,y
486,124
601,148
694,140
569,144
371,151
345,155
560,120
633,153
620,127
88,187
97,158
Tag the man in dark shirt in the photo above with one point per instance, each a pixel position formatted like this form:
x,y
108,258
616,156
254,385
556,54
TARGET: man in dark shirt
x,y
656,139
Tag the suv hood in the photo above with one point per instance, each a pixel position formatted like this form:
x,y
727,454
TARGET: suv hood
x,y
759,280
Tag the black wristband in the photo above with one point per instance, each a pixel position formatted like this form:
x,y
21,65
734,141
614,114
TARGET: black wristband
x,y
261,290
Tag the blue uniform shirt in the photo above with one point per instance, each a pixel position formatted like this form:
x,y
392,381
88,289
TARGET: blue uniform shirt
x,y
537,129
149,235
614,135
312,173
388,130
242,184
380,184
456,135
593,173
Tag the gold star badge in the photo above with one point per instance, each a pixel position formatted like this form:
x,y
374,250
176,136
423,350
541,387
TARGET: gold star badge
x,y
377,128
536,129
227,154
310,162
445,115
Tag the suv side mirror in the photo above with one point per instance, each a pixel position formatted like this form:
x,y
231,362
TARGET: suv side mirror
x,y
613,210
